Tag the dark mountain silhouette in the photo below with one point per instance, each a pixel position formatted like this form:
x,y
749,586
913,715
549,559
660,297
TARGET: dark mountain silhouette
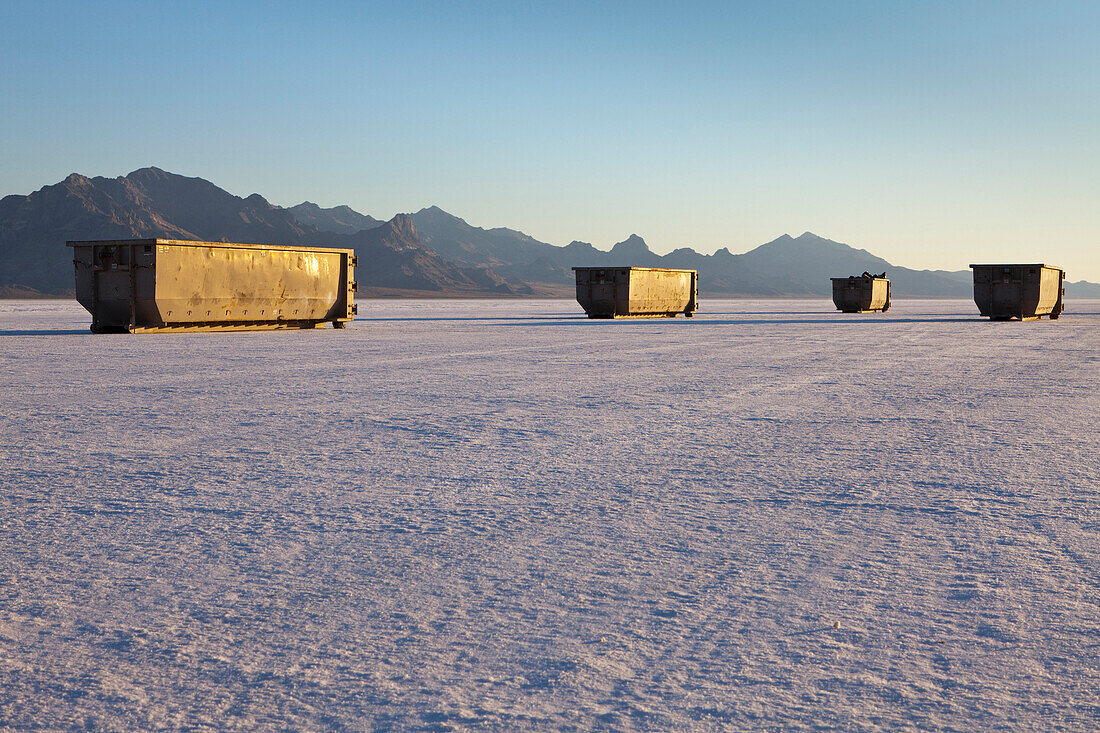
x,y
634,249
147,203
430,252
504,250
785,266
154,203
796,264
338,219
392,258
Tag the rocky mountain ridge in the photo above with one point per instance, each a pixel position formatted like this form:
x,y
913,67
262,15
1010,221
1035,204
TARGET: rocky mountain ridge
x,y
338,219
150,202
427,253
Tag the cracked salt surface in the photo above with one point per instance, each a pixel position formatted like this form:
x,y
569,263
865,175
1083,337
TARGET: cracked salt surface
x,y
501,515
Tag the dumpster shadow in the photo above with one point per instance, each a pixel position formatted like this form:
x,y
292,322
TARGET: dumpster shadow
x,y
45,332
582,320
700,322
839,321
403,319
730,319
765,313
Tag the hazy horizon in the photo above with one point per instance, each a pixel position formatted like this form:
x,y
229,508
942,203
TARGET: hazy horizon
x,y
931,136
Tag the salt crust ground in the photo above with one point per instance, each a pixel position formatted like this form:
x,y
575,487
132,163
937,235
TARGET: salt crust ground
x,y
501,515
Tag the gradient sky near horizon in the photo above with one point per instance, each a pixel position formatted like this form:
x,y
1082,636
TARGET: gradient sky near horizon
x,y
933,134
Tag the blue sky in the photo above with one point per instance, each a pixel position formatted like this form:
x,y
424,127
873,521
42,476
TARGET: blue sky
x,y
934,134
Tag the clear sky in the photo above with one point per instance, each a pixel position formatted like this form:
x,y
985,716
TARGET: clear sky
x,y
931,133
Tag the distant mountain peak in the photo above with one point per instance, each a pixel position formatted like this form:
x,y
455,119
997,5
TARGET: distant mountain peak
x,y
399,233
149,202
431,250
437,214
403,225
340,219
631,245
152,173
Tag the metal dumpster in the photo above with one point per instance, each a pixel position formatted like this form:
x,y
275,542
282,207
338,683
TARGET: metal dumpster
x,y
1027,292
864,293
140,285
638,292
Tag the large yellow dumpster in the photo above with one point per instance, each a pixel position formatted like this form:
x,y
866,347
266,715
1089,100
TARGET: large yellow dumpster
x,y
1027,292
139,285
654,292
864,293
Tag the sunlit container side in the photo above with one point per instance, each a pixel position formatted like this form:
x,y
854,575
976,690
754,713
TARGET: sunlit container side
x,y
140,285
1026,292
861,294
636,292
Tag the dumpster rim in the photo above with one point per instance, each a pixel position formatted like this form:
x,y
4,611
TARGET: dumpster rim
x,y
635,267
199,243
1018,264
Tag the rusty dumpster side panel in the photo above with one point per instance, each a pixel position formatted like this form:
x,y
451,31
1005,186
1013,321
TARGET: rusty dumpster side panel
x,y
1024,292
861,294
636,292
143,285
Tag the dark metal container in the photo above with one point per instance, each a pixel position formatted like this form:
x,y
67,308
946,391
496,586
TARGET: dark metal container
x,y
638,292
864,293
138,285
1026,292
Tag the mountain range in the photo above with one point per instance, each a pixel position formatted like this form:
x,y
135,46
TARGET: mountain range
x,y
428,253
